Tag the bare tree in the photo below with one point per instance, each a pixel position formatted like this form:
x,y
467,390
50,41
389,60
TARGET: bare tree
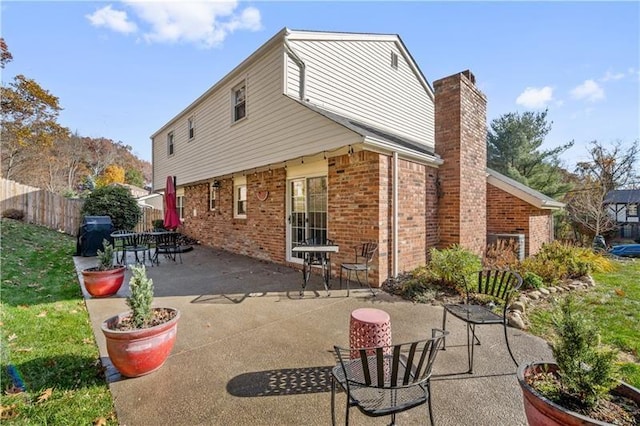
x,y
613,166
587,211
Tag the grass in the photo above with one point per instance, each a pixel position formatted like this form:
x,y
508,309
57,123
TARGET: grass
x,y
614,306
46,334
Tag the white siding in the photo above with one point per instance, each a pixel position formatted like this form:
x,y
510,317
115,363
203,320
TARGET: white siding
x,y
293,78
355,79
276,129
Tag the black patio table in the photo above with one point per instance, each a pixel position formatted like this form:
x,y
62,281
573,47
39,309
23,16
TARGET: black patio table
x,y
315,252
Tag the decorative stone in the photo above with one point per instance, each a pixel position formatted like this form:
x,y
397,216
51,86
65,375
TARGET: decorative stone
x,y
517,306
515,320
535,295
574,286
543,291
589,281
552,289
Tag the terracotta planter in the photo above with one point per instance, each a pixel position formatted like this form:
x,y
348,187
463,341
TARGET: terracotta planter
x,y
103,283
138,352
540,411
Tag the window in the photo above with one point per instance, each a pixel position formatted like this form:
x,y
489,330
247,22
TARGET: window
x,y
240,197
213,195
170,143
239,102
632,210
191,126
394,60
180,206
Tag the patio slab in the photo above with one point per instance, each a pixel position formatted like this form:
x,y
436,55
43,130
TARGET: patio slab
x,y
251,351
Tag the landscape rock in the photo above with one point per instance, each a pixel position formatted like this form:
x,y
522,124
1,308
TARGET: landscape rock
x,y
515,320
535,295
544,291
518,306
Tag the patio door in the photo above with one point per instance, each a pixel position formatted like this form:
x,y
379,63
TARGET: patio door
x,y
307,211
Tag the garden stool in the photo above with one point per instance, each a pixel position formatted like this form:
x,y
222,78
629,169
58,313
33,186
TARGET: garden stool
x,y
369,328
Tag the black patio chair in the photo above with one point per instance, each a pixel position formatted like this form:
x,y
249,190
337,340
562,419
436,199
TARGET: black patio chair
x,y
500,286
364,257
167,245
118,244
137,243
386,380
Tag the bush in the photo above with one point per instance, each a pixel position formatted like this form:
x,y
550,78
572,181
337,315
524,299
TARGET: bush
x,y
454,266
116,202
105,257
531,280
158,224
141,288
13,214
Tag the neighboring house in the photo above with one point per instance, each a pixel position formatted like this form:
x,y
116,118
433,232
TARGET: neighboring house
x,y
153,200
340,136
623,205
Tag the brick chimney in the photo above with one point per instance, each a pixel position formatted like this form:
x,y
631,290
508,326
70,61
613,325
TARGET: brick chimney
x,y
460,138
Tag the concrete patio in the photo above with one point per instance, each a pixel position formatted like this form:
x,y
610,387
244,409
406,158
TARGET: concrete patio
x,y
251,351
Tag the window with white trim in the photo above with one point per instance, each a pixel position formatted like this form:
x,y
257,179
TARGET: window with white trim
x,y
240,197
394,60
240,102
191,127
170,148
213,195
632,210
180,206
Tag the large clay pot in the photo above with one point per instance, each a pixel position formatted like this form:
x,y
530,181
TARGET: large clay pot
x,y
141,351
540,411
103,283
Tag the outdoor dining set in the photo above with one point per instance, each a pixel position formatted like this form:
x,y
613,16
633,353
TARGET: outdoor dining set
x,y
146,245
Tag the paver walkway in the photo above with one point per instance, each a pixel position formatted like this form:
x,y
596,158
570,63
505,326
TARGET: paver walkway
x,y
250,351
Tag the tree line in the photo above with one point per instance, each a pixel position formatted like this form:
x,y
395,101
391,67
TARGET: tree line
x,y
36,150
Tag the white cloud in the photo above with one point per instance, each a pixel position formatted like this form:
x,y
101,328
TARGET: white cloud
x,y
116,20
204,23
609,75
589,90
534,97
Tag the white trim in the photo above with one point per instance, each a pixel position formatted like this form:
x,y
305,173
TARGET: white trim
x,y
238,183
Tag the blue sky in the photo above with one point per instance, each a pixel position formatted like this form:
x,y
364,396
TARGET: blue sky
x,y
123,69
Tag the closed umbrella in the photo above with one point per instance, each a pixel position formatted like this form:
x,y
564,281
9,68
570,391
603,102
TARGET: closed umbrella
x,y
171,219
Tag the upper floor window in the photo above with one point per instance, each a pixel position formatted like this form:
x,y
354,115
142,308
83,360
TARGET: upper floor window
x,y
239,102
240,198
632,210
191,126
213,194
170,143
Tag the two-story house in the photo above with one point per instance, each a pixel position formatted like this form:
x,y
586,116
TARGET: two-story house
x,y
340,136
624,205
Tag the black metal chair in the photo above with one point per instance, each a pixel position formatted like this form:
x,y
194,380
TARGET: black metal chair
x,y
118,244
167,245
137,242
500,286
363,259
386,380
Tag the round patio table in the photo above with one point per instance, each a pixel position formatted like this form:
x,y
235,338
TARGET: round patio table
x,y
369,328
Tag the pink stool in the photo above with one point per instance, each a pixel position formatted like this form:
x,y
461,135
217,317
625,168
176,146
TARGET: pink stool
x,y
369,328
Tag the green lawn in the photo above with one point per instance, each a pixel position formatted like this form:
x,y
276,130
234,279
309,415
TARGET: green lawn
x,y
614,305
46,335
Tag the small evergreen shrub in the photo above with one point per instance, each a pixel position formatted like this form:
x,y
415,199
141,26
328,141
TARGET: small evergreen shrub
x,y
116,202
13,214
141,297
587,371
531,281
454,266
158,224
105,257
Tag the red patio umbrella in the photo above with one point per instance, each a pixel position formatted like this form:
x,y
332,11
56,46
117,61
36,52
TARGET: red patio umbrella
x,y
171,219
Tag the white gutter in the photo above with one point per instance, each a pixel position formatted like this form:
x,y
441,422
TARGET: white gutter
x,y
395,214
405,153
300,64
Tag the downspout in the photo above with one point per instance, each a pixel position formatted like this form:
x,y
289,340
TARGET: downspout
x,y
394,190
300,64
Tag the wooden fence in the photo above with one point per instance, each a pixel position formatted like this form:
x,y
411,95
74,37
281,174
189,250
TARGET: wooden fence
x,y
55,211
41,207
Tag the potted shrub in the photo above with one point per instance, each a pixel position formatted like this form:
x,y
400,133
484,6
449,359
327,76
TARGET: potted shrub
x,y
105,279
581,387
139,341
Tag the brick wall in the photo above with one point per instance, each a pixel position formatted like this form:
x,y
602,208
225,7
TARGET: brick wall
x,y
507,214
460,135
261,235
